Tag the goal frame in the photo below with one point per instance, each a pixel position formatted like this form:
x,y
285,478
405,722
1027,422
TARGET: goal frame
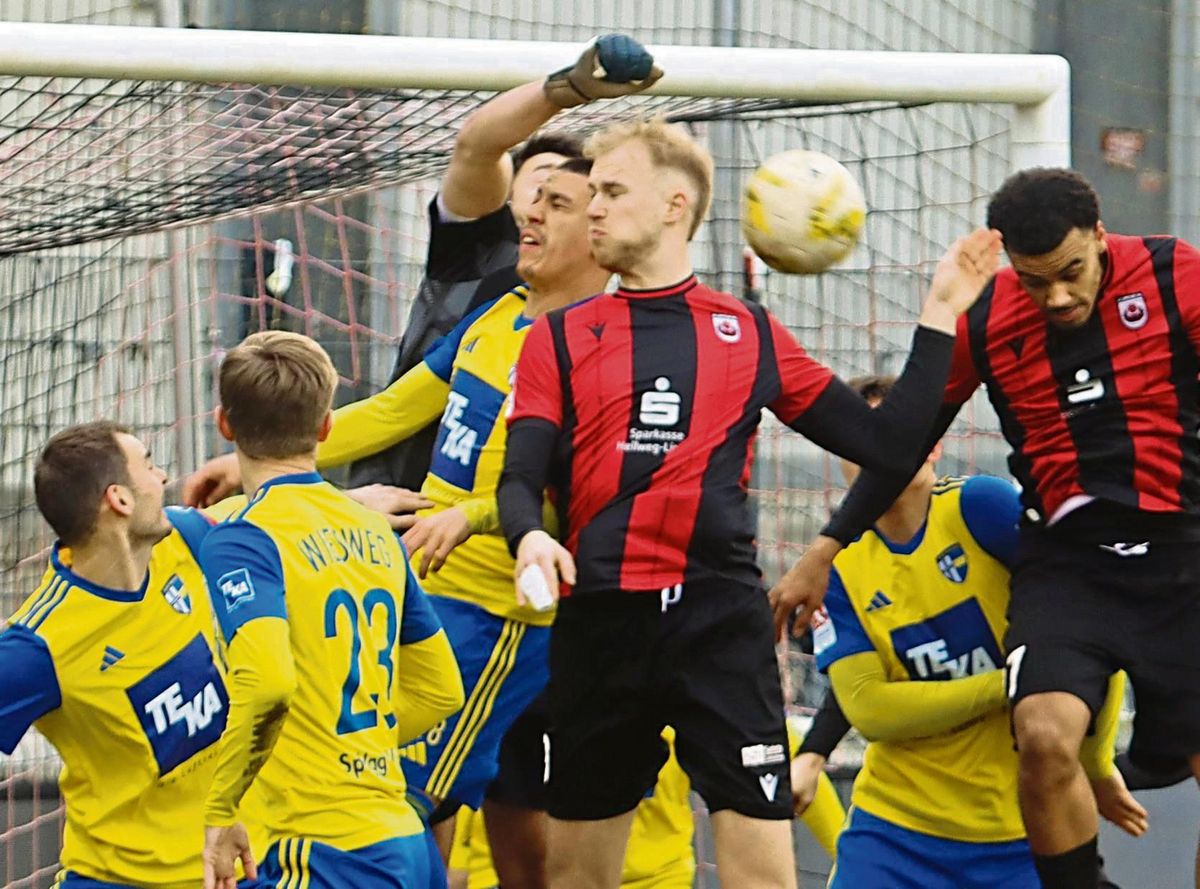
x,y
1037,86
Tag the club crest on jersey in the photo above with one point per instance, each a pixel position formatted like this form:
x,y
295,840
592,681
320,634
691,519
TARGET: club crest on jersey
x,y
727,327
176,595
952,562
236,588
1133,310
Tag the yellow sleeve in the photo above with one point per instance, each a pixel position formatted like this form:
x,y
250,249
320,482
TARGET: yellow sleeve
x,y
1098,749
483,514
367,427
428,686
896,711
825,816
460,847
261,680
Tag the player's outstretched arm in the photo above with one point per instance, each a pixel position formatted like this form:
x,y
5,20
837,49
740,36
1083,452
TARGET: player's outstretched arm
x,y
479,177
366,427
397,505
960,277
435,536
898,711
893,437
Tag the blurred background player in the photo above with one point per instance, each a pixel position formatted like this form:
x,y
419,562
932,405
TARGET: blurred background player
x,y
484,199
911,638
334,655
113,659
1089,346
639,408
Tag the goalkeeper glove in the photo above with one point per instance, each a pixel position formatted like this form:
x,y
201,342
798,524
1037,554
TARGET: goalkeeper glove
x,y
610,66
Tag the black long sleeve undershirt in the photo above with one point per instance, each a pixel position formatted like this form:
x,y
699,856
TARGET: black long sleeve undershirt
x,y
828,728
885,438
873,492
527,458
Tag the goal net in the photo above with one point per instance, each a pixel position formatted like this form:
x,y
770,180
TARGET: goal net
x,y
148,225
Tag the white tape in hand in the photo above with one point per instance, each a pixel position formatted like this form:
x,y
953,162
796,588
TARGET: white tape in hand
x,y
532,584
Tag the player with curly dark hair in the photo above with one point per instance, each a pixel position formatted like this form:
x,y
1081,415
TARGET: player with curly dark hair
x,y
1089,347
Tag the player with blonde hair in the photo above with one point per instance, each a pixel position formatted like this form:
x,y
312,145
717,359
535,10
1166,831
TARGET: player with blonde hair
x,y
639,408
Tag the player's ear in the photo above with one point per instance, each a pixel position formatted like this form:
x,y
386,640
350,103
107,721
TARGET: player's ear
x,y
679,207
935,454
1101,231
326,426
223,424
119,499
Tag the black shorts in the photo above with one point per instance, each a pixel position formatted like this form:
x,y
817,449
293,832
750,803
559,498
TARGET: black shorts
x,y
521,780
1081,610
625,665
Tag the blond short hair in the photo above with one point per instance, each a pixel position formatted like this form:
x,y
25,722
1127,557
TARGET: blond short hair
x,y
276,388
670,147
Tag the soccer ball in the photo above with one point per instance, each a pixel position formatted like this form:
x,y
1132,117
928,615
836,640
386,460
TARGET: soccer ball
x,y
802,212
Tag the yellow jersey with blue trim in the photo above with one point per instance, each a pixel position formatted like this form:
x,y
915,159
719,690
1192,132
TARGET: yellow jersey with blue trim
x,y
934,609
466,377
127,686
302,552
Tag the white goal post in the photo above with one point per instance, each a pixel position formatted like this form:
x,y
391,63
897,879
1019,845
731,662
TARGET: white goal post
x,y
1038,86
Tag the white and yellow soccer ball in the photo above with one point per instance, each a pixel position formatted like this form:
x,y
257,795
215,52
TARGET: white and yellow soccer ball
x,y
802,212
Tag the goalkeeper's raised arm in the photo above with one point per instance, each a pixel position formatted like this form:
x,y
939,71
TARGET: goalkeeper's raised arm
x,y
480,176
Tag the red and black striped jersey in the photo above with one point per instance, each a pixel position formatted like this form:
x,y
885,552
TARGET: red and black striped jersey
x,y
658,395
1108,410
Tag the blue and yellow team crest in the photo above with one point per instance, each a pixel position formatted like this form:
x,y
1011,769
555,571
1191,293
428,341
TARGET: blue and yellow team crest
x,y
952,562
177,595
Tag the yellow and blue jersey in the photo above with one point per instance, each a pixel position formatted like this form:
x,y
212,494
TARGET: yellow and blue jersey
x,y
304,553
126,685
466,377
934,609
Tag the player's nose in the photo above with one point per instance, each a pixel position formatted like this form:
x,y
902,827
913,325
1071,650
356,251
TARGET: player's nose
x,y
1059,296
